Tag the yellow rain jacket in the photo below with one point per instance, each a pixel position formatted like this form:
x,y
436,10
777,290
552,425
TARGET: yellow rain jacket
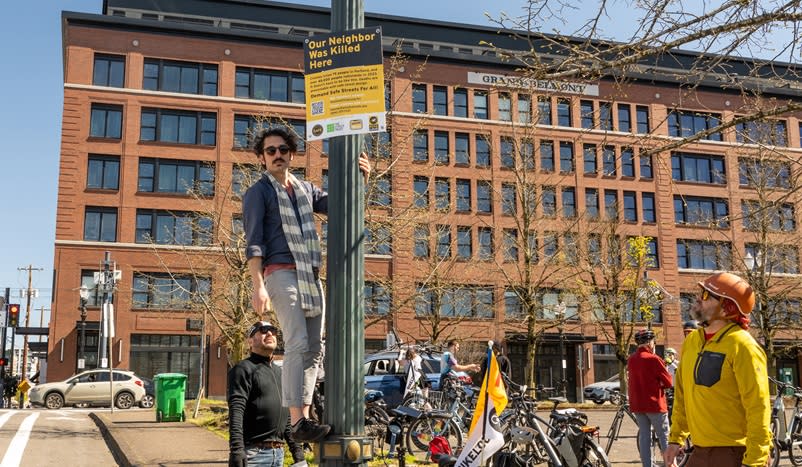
x,y
721,394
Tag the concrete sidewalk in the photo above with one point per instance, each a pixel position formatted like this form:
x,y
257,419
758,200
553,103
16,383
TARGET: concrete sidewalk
x,y
136,439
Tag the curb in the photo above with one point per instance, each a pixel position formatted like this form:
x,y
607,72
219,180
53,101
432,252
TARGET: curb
x,y
117,451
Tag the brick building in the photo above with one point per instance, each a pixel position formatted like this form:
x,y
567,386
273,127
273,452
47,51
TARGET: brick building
x,y
158,101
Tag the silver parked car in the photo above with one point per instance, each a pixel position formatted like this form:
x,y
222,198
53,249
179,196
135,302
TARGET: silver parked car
x,y
90,388
603,391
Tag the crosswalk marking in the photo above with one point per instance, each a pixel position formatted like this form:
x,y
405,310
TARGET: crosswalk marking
x,y
4,418
13,455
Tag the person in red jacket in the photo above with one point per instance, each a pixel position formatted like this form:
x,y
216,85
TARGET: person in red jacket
x,y
648,379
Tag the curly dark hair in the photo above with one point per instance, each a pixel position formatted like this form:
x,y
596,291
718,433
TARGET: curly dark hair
x,y
259,139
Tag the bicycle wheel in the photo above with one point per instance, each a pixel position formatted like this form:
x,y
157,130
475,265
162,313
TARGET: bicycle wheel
x,y
795,447
685,453
774,448
593,455
424,429
612,433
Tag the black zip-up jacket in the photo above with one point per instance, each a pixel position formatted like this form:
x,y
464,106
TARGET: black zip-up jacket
x,y
255,413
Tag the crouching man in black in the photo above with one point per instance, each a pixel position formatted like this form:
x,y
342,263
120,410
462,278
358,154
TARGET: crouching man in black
x,y
258,425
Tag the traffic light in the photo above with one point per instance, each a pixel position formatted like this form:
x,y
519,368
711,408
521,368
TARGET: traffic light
x,y
3,361
13,315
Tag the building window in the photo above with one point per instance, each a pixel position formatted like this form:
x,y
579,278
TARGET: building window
x,y
183,77
567,157
484,196
378,239
512,304
700,168
768,216
642,116
594,249
377,299
419,98
421,241
175,176
544,110
485,237
695,210
701,254
563,112
685,123
106,121
507,152
95,294
440,100
589,159
611,204
175,126
605,116
420,146
585,114
109,70
100,224
166,291
460,103
648,209
532,247
462,149
381,192
377,145
762,173
103,172
777,259
245,127
442,193
550,245
524,108
592,203
767,132
482,151
548,200
624,118
242,177
627,162
608,161
508,199
443,241
652,256
547,156
464,243
281,86
172,228
463,195
421,188
504,107
646,166
630,206
527,154
569,202
480,105
510,245
441,149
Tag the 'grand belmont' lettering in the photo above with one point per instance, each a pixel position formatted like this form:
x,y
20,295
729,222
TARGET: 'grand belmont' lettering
x,y
534,85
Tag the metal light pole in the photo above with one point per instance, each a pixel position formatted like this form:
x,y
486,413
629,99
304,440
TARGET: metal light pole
x,y
564,380
84,294
751,262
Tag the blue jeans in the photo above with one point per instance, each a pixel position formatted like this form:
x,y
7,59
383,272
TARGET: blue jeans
x,y
265,457
647,421
303,350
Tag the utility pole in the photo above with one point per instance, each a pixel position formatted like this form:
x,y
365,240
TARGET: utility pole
x,y
4,329
28,294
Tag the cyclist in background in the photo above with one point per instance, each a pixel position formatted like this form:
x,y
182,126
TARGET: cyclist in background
x,y
449,364
721,395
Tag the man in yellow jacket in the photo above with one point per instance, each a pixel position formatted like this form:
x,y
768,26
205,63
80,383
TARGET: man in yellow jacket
x,y
721,390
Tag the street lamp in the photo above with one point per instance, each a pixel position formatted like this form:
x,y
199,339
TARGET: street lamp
x,y
560,312
751,262
84,294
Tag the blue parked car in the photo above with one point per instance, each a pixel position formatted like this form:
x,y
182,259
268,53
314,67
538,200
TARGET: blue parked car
x,y
383,372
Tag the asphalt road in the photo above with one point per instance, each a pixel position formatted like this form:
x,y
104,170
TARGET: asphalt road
x,y
40,437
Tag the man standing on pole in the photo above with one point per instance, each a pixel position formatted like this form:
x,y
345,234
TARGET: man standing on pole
x,y
284,259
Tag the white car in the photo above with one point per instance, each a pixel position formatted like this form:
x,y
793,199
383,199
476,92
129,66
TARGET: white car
x,y
603,391
90,388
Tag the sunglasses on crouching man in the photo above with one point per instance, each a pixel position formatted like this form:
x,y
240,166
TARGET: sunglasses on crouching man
x,y
263,329
283,149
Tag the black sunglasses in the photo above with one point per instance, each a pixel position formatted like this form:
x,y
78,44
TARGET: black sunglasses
x,y
283,149
264,329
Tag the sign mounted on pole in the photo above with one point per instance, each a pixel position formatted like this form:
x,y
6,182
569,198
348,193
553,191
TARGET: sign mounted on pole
x,y
344,84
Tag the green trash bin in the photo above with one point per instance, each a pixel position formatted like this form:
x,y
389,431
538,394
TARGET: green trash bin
x,y
170,391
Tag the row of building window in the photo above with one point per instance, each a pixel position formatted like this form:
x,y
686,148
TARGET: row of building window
x,y
285,86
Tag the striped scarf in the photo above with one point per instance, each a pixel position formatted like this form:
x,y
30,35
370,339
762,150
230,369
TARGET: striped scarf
x,y
303,241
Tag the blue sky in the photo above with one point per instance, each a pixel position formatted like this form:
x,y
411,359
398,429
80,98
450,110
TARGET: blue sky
x,y
31,93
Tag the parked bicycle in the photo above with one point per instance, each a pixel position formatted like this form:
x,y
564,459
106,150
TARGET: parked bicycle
x,y
786,435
